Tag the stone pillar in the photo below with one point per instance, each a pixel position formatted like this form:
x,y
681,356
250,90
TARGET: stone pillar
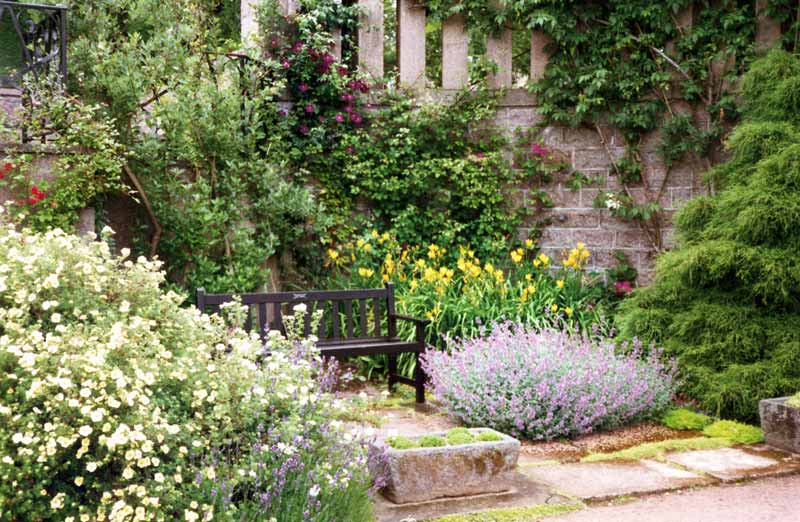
x,y
539,56
85,224
336,50
498,50
455,50
370,38
249,21
768,30
411,43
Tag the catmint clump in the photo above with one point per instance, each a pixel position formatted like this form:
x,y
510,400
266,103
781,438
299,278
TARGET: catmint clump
x,y
546,384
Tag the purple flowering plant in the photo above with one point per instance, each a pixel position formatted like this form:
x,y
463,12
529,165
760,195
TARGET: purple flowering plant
x,y
302,465
544,384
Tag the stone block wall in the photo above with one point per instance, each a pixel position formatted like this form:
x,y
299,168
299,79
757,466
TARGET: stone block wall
x,y
574,217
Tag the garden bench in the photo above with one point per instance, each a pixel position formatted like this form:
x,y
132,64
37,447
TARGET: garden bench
x,y
343,330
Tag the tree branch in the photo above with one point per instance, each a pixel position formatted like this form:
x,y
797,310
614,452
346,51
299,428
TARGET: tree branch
x,y
146,202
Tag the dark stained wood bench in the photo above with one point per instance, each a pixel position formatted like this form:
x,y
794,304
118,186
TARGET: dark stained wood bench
x,y
344,328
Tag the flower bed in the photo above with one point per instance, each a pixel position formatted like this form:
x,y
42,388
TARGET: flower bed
x,y
547,384
116,402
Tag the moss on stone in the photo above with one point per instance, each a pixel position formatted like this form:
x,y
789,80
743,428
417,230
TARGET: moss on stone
x,y
736,432
523,514
656,450
685,419
794,401
400,442
489,436
458,436
431,441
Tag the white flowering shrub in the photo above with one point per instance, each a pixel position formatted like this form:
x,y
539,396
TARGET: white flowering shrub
x,y
112,395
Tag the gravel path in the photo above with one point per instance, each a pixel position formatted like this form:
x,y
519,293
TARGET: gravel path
x,y
768,500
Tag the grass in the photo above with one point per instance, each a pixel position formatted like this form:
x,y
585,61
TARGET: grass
x,y
736,432
525,514
658,449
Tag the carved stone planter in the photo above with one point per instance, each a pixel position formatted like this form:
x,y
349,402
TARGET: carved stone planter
x,y
421,474
781,424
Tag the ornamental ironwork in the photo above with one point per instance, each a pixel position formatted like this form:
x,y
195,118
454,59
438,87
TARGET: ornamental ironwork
x,y
41,33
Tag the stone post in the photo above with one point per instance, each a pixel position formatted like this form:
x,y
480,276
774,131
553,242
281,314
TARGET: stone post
x,y
370,38
249,21
539,56
455,49
336,50
411,43
768,30
498,50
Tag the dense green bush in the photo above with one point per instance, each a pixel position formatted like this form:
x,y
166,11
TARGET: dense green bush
x,y
726,302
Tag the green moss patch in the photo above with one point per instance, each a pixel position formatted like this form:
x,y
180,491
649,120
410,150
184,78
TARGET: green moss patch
x,y
458,436
489,436
736,432
525,514
794,401
431,441
658,449
401,442
685,419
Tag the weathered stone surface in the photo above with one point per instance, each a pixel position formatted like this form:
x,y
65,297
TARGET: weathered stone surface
x,y
422,474
455,53
731,464
411,43
781,424
604,480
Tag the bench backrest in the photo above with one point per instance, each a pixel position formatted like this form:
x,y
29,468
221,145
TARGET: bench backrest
x,y
348,315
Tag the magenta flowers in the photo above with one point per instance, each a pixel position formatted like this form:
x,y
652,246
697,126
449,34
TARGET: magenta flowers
x,y
547,384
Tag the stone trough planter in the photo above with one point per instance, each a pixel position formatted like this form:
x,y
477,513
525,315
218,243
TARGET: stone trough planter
x,y
781,424
422,474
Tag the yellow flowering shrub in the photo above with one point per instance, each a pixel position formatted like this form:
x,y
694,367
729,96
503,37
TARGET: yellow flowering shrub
x,y
110,391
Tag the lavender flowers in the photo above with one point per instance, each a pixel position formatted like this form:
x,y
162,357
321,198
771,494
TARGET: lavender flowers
x,y
546,384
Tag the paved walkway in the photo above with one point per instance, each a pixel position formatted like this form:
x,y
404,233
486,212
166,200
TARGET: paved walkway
x,y
774,499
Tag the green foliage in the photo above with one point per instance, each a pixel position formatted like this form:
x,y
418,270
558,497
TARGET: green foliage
x,y
431,441
685,419
650,450
457,436
489,436
735,432
400,442
726,303
89,162
794,400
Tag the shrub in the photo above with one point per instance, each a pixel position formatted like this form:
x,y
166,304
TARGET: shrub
x,y
116,402
726,302
546,384
683,419
736,432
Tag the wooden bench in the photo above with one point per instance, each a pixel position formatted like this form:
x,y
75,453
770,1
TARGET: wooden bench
x,y
344,328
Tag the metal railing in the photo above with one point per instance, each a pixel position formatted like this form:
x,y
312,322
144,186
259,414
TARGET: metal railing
x,y
42,34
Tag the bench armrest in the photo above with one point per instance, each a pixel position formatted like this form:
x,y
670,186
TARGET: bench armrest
x,y
423,322
419,324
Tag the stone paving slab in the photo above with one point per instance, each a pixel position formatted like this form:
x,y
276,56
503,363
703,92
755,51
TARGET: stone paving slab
x,y
605,480
732,464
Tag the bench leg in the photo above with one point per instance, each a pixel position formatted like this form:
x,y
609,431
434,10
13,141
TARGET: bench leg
x,y
392,371
419,380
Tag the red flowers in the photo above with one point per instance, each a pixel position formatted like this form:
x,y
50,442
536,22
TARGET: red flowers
x,y
36,195
623,287
8,167
539,150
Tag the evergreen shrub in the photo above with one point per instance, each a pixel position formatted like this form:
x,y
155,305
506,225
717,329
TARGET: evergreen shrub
x,y
726,301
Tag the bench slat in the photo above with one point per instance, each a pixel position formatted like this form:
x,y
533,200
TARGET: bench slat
x,y
262,320
348,317
362,312
298,297
376,308
335,318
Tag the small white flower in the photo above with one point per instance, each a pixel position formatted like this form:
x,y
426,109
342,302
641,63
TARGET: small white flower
x,y
314,491
300,308
85,431
55,318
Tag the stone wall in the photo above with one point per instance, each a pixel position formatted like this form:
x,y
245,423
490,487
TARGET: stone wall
x,y
574,217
